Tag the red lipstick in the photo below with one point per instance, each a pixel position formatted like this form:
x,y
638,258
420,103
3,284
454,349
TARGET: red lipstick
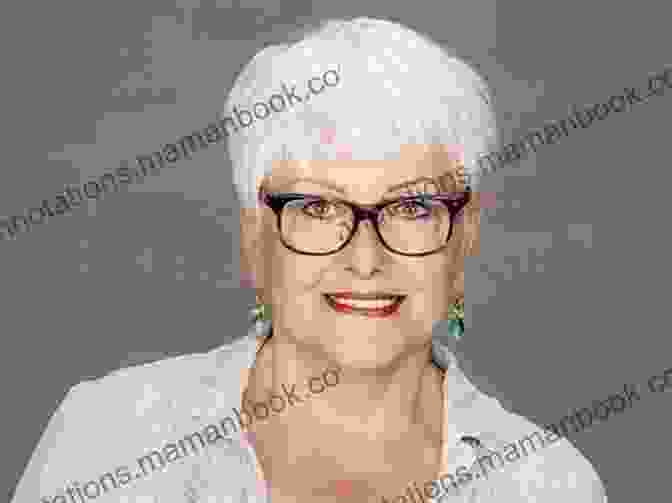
x,y
370,304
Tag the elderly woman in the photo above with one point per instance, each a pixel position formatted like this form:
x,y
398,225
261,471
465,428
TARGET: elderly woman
x,y
358,210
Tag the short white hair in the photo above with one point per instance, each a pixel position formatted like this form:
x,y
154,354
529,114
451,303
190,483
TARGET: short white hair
x,y
395,87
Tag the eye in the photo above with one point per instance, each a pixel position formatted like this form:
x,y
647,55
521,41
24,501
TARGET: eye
x,y
411,209
320,209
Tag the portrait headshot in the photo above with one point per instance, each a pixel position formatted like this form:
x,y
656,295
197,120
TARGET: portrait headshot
x,y
353,148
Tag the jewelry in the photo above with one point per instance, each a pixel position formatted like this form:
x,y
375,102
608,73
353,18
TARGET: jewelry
x,y
261,312
456,319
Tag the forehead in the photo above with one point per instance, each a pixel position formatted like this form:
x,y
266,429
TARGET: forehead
x,y
367,180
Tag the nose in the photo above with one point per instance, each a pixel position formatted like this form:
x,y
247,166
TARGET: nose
x,y
365,253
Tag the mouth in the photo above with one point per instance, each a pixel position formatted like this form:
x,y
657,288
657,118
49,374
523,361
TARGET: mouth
x,y
375,305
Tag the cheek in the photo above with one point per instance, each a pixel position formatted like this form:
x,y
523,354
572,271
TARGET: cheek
x,y
435,284
431,272
295,274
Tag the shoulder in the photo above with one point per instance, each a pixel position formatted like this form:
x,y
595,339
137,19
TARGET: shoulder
x,y
107,422
516,460
558,471
529,463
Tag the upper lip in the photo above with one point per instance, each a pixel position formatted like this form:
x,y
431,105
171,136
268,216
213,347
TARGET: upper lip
x,y
364,295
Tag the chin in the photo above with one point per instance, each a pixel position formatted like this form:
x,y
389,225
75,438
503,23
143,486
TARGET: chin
x,y
356,347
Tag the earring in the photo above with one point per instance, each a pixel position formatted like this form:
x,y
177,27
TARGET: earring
x,y
261,312
456,320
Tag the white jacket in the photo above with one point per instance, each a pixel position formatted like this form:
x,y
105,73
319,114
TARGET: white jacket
x,y
91,447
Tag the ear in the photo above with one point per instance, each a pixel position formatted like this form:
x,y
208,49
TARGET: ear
x,y
456,179
251,255
472,227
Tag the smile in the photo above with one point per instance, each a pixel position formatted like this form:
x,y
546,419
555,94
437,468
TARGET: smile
x,y
373,305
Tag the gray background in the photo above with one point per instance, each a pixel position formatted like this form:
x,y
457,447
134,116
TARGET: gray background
x,y
567,303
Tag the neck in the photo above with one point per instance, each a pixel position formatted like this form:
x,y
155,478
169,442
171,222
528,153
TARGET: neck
x,y
379,402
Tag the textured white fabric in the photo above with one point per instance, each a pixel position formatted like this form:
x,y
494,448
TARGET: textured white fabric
x,y
112,421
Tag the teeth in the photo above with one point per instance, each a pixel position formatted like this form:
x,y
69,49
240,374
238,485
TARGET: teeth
x,y
380,303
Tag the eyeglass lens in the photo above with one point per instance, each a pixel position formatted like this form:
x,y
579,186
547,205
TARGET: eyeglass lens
x,y
411,226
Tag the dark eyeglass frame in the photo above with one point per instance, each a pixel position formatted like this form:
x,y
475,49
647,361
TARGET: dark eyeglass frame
x,y
454,202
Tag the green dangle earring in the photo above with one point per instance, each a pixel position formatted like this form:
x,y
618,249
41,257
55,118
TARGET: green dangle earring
x,y
261,312
456,320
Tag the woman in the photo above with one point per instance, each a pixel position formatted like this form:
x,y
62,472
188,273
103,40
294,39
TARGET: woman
x,y
358,210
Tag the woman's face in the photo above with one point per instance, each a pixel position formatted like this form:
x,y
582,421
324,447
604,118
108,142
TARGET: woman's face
x,y
306,291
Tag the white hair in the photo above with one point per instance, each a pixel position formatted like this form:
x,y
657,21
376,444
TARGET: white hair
x,y
395,87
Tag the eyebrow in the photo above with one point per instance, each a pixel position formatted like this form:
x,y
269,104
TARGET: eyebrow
x,y
342,190
402,185
316,181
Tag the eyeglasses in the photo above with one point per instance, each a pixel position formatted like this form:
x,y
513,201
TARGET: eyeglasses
x,y
414,225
